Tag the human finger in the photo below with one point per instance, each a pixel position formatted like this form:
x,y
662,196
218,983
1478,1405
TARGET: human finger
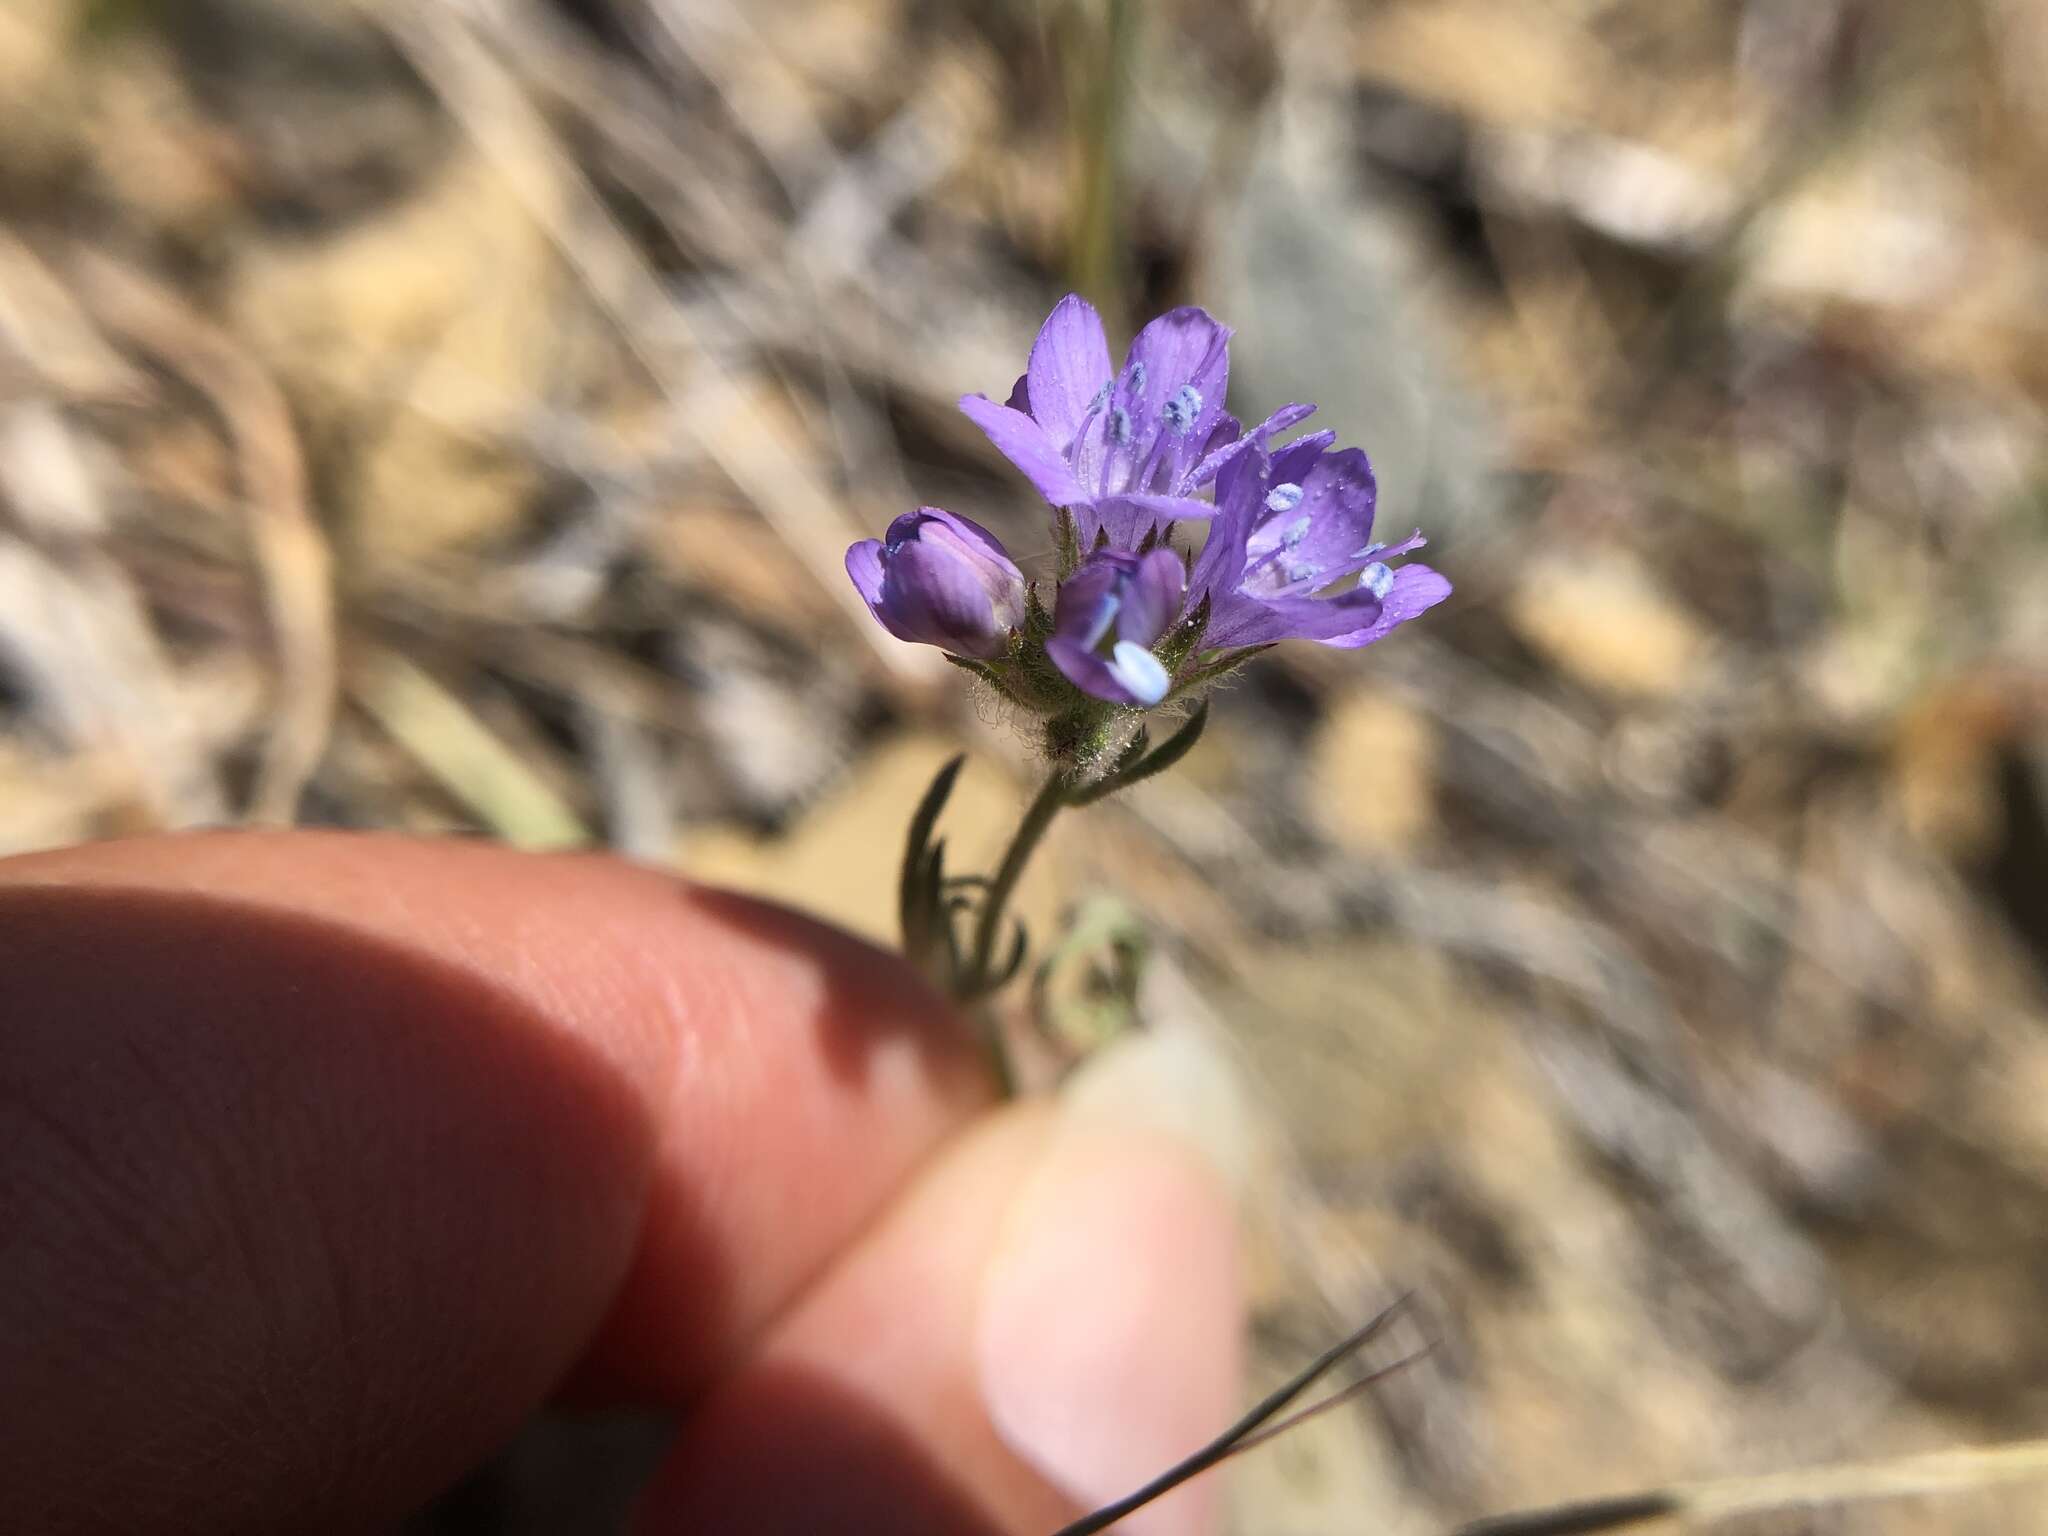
x,y
323,1157
1051,1316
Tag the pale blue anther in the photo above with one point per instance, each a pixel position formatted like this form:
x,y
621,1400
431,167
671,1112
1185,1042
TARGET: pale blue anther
x,y
1120,426
1296,532
1283,498
1377,579
1181,409
1134,380
1139,671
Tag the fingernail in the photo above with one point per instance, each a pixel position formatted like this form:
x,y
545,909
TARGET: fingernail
x,y
1110,1332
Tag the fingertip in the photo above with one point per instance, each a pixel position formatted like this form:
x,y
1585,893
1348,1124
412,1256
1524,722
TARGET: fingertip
x,y
1048,1319
1107,1344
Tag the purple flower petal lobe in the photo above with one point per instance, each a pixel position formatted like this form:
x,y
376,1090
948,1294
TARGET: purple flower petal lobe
x,y
1069,367
1025,444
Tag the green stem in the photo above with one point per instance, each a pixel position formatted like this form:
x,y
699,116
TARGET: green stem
x,y
988,923
1099,64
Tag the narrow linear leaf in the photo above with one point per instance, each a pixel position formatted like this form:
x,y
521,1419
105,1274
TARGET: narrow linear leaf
x,y
991,675
1020,945
928,904
954,963
980,669
916,886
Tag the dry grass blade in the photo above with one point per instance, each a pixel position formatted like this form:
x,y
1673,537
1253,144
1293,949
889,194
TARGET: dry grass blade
x,y
1936,1472
462,754
738,428
290,550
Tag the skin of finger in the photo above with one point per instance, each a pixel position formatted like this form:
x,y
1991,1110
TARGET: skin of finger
x,y
323,1157
867,1407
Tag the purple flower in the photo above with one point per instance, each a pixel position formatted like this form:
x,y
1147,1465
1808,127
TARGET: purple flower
x,y
941,580
1128,451
1109,614
1290,554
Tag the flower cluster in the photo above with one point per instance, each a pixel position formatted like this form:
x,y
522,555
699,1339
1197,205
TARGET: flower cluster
x,y
1127,459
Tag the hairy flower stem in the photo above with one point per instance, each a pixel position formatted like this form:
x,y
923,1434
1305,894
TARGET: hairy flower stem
x,y
988,923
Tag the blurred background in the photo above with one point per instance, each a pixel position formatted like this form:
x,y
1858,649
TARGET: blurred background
x,y
450,415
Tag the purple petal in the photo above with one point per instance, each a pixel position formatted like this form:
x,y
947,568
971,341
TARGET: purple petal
x,y
1069,366
1185,356
1417,589
1127,519
1088,600
1185,347
974,540
931,595
1213,461
1025,444
1239,620
1293,462
1228,430
1285,417
1240,490
864,565
1222,454
1313,532
1152,597
1108,679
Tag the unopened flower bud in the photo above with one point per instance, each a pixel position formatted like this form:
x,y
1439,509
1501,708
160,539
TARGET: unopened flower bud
x,y
942,580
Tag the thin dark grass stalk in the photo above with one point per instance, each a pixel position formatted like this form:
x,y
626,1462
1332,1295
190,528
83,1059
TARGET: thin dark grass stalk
x,y
1233,1439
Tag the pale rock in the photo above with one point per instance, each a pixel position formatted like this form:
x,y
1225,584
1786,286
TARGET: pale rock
x,y
1372,768
1601,620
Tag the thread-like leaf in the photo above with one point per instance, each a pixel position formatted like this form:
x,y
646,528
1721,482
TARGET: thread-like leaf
x,y
922,874
1020,945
